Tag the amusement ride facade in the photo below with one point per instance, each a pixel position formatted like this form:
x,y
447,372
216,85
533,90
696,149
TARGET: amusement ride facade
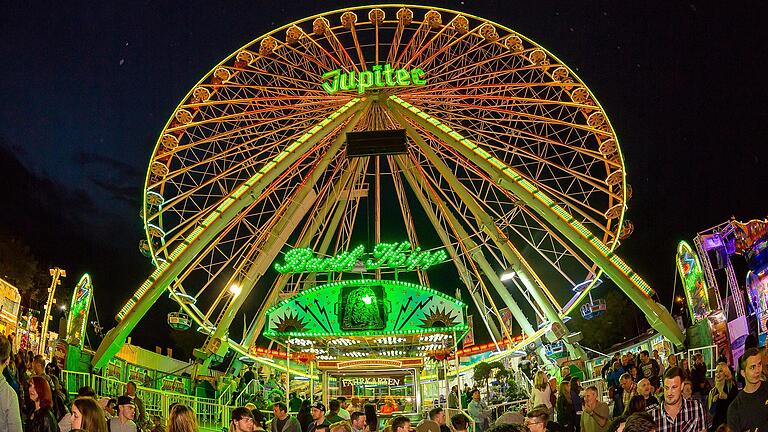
x,y
436,139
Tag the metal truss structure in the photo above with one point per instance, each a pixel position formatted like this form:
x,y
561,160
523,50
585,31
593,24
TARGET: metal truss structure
x,y
511,165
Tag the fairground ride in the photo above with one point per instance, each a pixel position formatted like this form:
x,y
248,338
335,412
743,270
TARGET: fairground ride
x,y
467,136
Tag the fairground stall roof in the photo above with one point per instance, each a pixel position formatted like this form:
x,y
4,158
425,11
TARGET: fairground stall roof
x,y
365,317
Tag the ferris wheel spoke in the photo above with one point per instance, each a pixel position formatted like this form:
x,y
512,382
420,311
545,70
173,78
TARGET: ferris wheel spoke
x,y
249,115
254,77
532,281
405,211
493,143
458,198
448,48
492,97
577,206
327,201
268,143
471,53
574,145
460,249
264,140
418,36
519,115
256,221
284,174
317,52
505,213
351,26
285,61
255,132
185,226
280,226
555,171
421,40
323,26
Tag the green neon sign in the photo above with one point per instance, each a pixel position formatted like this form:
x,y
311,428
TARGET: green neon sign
x,y
365,308
691,273
392,255
380,77
78,311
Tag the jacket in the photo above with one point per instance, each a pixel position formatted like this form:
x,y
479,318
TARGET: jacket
x,y
291,425
42,420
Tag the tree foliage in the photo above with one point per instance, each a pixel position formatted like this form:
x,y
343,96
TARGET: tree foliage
x,y
482,372
20,268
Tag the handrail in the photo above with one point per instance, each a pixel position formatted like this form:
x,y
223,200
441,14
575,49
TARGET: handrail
x,y
248,390
211,414
226,394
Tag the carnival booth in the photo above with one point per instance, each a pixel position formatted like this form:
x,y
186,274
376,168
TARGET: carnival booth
x,y
368,338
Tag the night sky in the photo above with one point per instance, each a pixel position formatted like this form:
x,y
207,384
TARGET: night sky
x,y
87,88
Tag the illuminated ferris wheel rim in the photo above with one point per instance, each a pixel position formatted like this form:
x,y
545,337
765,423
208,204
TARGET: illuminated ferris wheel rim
x,y
202,83
157,228
457,139
613,243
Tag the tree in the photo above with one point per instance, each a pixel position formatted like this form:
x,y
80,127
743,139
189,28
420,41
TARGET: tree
x,y
20,268
482,373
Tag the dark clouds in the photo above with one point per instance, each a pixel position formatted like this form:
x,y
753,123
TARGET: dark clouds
x,y
119,180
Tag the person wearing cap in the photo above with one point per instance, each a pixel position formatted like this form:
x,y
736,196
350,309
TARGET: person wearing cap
x,y
126,411
242,420
318,417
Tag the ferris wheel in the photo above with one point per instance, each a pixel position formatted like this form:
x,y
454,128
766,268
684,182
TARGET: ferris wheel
x,y
509,163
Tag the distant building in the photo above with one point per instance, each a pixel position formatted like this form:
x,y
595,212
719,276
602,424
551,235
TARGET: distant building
x,y
9,307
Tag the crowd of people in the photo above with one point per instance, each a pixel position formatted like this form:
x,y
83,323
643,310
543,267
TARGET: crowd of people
x,y
645,393
33,399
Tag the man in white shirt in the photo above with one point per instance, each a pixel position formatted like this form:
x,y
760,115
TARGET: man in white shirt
x,y
126,411
10,420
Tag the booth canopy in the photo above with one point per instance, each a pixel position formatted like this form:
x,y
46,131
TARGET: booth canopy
x,y
358,316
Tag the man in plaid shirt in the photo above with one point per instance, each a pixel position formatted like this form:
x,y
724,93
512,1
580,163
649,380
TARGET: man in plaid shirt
x,y
676,414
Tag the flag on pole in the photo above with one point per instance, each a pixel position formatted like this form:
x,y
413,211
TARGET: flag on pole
x,y
469,339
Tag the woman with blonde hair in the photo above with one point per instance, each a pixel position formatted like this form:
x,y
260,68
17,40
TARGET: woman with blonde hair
x,y
390,405
541,392
722,394
88,415
182,419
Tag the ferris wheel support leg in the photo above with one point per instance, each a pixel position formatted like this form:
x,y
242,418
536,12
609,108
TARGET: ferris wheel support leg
x,y
528,277
462,269
151,290
337,197
507,177
278,237
301,203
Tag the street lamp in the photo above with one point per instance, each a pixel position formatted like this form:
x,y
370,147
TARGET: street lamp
x,y
507,275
